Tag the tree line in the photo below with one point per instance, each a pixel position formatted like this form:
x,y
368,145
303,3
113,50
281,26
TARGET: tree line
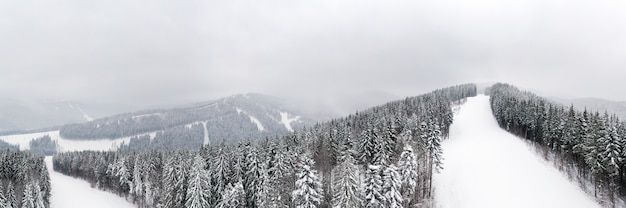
x,y
381,157
588,144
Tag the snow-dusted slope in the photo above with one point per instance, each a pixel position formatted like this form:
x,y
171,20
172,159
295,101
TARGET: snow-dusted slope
x,y
67,145
485,166
68,192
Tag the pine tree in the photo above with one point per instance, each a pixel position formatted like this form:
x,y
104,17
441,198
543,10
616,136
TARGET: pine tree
x,y
4,203
308,193
233,196
611,156
38,196
373,187
44,181
367,146
408,171
251,177
347,183
148,195
434,146
122,172
198,193
268,194
221,169
174,181
392,184
28,200
137,188
11,198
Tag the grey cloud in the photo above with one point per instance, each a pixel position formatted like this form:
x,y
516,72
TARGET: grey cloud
x,y
170,52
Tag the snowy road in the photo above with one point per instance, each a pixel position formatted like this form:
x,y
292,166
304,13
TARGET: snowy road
x,y
68,192
485,166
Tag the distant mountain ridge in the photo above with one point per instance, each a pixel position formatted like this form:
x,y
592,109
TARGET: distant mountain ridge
x,y
237,117
17,114
596,104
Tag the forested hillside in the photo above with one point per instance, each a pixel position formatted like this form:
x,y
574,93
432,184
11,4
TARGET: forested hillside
x,y
233,119
24,180
381,157
589,146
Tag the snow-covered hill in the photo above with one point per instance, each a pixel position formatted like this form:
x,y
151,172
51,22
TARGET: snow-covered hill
x,y
235,118
485,166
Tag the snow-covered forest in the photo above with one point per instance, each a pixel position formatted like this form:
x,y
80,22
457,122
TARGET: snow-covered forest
x,y
588,146
24,180
382,157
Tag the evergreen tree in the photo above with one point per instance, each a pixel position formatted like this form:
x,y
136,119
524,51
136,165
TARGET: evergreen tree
x,y
408,171
4,203
174,182
308,193
221,169
137,188
347,183
392,184
198,193
373,187
38,196
232,196
434,146
11,198
611,156
44,181
368,145
252,173
28,199
268,195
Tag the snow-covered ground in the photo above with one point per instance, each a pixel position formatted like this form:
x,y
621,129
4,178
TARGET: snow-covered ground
x,y
485,166
68,192
67,145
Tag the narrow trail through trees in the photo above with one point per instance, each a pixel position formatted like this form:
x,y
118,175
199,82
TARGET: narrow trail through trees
x,y
485,166
68,192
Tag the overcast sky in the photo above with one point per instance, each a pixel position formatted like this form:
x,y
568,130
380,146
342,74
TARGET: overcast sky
x,y
161,52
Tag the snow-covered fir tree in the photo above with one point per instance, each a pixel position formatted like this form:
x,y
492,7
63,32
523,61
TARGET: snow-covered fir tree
x,y
347,183
408,171
28,199
308,192
198,193
221,169
233,196
11,197
392,184
373,187
3,201
38,196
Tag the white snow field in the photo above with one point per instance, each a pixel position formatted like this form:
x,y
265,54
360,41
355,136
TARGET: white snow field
x,y
485,166
68,145
68,192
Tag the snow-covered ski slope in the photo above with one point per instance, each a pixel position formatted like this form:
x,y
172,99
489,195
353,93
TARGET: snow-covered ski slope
x,y
68,192
485,166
